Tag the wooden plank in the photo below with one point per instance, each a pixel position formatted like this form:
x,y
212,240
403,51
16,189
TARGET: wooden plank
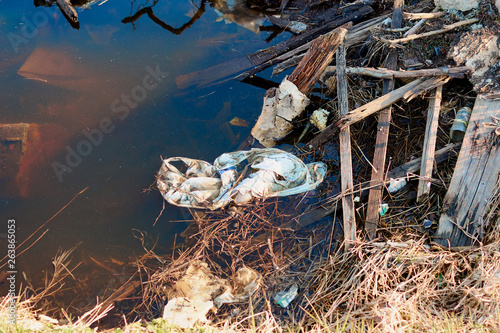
x,y
406,92
384,122
475,178
429,144
347,186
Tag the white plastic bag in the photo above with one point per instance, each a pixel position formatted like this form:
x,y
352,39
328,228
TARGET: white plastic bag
x,y
269,172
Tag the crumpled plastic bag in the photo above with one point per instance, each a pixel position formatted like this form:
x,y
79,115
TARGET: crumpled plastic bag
x,y
269,172
245,283
193,295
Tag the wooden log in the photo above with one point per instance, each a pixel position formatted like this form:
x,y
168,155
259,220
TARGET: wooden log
x,y
429,144
446,28
347,186
475,178
317,58
384,122
263,59
406,92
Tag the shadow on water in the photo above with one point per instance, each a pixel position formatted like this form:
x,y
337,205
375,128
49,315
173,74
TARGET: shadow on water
x,y
100,107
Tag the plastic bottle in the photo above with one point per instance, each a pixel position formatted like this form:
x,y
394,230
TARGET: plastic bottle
x,y
460,123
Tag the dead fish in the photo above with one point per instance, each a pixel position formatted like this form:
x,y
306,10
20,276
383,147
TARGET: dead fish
x,y
239,122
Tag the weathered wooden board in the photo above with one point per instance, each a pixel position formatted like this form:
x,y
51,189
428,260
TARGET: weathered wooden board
x,y
348,210
474,180
429,144
384,123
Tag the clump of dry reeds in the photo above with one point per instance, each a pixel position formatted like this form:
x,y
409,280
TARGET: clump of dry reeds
x,y
405,286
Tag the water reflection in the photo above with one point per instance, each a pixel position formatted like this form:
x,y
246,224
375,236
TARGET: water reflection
x,y
176,31
90,92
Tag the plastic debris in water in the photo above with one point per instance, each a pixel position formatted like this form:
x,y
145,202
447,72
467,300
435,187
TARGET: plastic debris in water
x,y
274,172
284,298
396,184
239,122
383,209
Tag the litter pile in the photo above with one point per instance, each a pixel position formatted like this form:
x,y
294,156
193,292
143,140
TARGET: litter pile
x,y
417,237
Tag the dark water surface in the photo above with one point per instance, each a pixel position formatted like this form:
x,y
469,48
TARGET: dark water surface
x,y
74,84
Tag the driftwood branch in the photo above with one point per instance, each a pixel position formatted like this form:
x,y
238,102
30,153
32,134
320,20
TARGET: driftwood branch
x,y
415,28
446,28
382,73
69,12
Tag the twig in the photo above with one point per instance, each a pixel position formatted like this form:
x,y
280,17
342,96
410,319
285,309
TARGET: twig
x,y
446,28
53,216
417,16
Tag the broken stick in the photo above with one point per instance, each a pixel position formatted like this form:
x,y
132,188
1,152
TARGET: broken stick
x,y
383,73
429,144
345,154
384,122
418,16
446,28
